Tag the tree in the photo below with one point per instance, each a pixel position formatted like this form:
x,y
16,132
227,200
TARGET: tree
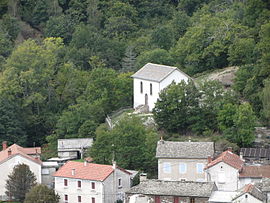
x,y
159,56
41,194
130,143
238,124
19,182
265,101
176,107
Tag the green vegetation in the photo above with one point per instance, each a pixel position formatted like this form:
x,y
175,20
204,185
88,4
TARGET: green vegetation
x,y
65,65
20,182
41,194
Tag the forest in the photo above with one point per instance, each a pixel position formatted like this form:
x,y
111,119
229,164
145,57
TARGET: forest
x,y
66,64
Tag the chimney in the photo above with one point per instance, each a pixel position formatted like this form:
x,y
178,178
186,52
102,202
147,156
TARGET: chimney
x,y
143,177
230,149
4,145
209,159
161,140
73,171
9,152
114,165
241,156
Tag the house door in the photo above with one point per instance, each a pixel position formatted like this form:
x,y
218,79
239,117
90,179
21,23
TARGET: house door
x,y
146,100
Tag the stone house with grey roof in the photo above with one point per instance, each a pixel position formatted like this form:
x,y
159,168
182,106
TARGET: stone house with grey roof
x,y
159,191
150,80
183,160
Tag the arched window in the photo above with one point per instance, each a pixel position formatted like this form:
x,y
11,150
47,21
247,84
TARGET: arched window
x,y
151,92
141,87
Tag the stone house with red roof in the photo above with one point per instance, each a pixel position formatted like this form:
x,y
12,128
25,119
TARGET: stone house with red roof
x,y
77,182
253,174
14,155
224,170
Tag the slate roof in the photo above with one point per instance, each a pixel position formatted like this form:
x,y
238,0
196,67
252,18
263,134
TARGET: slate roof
x,y
88,171
72,144
255,171
264,185
18,150
155,72
252,190
229,158
199,150
255,152
174,188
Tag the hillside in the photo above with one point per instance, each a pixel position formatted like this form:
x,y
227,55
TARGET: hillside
x,y
66,65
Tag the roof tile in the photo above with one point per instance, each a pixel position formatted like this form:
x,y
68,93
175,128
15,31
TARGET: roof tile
x,y
229,158
168,149
87,171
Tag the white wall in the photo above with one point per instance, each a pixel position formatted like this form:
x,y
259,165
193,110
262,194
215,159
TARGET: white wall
x,y
111,189
105,192
73,191
139,98
246,198
225,176
7,167
245,181
174,76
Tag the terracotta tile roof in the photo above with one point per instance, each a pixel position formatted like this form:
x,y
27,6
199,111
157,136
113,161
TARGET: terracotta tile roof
x,y
88,171
229,158
255,171
31,150
15,150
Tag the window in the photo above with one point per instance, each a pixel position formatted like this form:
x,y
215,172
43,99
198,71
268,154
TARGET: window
x,y
157,199
93,200
45,171
151,89
200,167
119,182
167,167
79,199
182,168
79,184
65,182
221,177
93,186
192,200
66,198
141,87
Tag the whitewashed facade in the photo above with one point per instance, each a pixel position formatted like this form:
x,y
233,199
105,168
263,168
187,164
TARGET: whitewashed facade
x,y
6,168
151,79
74,189
225,176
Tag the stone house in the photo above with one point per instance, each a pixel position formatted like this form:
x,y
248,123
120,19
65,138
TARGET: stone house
x,y
249,194
183,160
150,80
253,174
92,183
73,148
160,191
224,170
14,155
